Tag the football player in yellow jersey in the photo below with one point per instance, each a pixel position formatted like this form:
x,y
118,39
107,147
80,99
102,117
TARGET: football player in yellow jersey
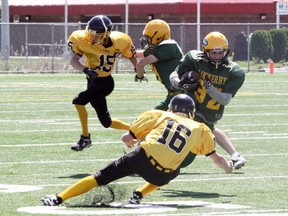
x,y
167,137
99,46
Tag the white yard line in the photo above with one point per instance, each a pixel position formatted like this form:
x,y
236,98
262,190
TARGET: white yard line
x,y
111,159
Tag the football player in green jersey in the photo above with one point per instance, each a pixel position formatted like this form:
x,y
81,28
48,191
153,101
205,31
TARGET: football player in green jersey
x,y
220,81
162,53
100,46
167,139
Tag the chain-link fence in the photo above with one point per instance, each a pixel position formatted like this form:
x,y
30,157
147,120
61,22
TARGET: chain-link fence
x,y
41,47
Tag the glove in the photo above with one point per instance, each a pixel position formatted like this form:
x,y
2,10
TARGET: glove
x,y
140,79
91,74
238,161
207,83
188,84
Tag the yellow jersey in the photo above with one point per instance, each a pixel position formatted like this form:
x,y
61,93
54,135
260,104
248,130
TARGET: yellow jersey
x,y
169,137
99,57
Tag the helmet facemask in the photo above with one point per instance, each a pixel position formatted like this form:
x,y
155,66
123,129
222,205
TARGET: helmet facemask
x,y
216,61
154,33
95,37
144,42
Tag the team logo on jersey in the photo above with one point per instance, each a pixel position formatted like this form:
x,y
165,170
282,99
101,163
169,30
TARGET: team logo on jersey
x,y
218,116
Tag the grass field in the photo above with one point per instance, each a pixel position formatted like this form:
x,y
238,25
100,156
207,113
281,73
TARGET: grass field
x,y
39,124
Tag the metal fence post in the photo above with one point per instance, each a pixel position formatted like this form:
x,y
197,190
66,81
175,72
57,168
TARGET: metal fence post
x,y
248,48
26,44
53,47
117,64
182,37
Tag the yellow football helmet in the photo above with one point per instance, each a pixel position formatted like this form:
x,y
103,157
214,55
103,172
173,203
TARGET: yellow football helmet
x,y
98,28
216,42
155,32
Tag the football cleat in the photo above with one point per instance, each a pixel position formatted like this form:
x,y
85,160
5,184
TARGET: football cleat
x,y
84,142
51,200
135,198
238,162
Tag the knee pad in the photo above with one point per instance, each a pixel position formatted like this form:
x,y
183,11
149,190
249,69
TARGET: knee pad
x,y
105,120
106,175
76,100
80,99
99,178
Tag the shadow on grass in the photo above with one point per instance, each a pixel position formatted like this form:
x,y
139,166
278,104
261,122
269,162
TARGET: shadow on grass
x,y
193,174
83,175
77,176
191,194
105,196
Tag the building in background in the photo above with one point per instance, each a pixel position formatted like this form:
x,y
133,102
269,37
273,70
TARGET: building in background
x,y
38,27
175,11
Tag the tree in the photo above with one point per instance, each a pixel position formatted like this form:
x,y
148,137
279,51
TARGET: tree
x,y
279,41
261,45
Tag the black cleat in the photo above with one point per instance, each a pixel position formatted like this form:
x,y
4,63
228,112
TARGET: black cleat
x,y
51,200
135,198
84,142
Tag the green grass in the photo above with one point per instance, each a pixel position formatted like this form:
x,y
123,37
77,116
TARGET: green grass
x,y
39,124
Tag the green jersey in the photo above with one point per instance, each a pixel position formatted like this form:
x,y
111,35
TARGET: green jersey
x,y
168,54
226,78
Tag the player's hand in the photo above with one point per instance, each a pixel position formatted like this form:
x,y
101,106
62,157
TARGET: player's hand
x,y
228,171
128,140
188,84
189,81
207,83
140,79
91,73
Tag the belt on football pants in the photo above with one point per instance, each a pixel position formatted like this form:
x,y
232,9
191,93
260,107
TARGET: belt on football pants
x,y
157,165
171,93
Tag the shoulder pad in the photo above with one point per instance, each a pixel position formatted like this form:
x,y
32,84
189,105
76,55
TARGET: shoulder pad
x,y
167,42
237,70
197,55
78,34
119,36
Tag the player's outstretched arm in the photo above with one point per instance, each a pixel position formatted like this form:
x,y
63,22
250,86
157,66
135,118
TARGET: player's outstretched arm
x,y
221,162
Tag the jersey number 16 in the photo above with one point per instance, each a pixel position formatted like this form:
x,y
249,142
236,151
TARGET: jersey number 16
x,y
175,136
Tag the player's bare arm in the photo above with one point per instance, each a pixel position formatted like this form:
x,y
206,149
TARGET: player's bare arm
x,y
140,53
221,162
75,62
145,61
133,61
